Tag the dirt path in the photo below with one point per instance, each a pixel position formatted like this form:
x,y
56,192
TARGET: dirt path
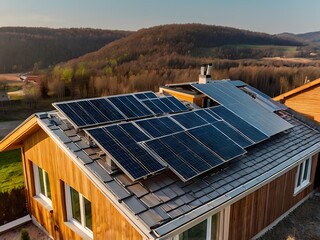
x,y
301,224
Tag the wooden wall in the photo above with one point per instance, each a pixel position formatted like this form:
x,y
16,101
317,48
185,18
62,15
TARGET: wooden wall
x,y
107,222
253,213
306,102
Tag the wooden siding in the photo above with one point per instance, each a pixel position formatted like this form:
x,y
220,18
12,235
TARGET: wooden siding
x,y
253,213
305,102
107,222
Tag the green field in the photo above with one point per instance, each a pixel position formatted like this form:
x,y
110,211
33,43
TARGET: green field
x,y
11,173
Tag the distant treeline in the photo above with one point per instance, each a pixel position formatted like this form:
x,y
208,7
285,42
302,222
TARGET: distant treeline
x,y
24,48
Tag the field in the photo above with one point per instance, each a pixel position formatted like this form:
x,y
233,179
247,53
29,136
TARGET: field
x,y
11,170
274,50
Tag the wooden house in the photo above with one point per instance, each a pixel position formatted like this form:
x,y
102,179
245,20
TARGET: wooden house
x,y
304,99
145,166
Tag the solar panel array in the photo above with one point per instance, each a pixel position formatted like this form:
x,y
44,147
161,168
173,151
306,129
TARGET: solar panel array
x,y
189,143
244,106
92,112
144,134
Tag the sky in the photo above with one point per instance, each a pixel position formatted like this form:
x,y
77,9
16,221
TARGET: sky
x,y
270,16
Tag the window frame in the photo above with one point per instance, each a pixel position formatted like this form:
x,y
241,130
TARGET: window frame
x,y
218,225
79,225
301,182
37,184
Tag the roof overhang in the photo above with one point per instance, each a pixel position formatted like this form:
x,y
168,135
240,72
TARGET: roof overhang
x,y
14,139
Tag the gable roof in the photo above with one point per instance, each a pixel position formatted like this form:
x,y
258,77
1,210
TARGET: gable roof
x,y
298,90
163,204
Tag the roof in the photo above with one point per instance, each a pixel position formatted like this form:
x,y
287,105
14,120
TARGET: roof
x,y
163,203
298,90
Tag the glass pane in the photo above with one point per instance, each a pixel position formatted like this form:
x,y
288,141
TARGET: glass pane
x,y
87,211
48,185
215,227
198,232
41,181
305,174
300,175
75,205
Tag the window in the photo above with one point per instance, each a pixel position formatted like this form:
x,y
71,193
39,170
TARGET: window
x,y
79,210
42,184
206,230
303,175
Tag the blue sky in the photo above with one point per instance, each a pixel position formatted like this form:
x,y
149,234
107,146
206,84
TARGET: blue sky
x,y
269,16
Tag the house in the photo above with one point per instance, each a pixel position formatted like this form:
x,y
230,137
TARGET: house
x,y
226,165
304,99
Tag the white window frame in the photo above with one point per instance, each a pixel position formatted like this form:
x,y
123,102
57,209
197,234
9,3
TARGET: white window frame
x,y
79,225
209,225
300,182
39,194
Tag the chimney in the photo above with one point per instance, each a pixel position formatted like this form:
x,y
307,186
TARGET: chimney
x,y
205,74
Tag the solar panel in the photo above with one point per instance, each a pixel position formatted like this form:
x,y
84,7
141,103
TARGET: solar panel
x,y
107,109
154,108
175,163
206,116
198,148
189,119
217,142
163,107
141,96
170,105
93,112
134,132
128,143
121,157
71,114
236,136
150,95
244,106
178,103
158,127
238,123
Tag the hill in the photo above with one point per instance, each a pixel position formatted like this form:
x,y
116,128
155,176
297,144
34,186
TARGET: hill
x,y
163,54
23,47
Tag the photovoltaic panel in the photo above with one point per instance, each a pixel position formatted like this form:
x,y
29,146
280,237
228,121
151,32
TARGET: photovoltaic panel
x,y
170,105
237,137
73,116
150,95
154,108
107,109
139,153
178,103
189,119
161,105
217,142
244,106
93,112
198,148
237,122
158,127
134,132
175,163
123,159
209,118
141,96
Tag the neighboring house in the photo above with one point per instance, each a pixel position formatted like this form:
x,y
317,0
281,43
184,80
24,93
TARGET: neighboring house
x,y
144,166
304,99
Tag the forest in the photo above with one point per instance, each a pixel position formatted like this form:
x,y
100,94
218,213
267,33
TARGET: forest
x,y
23,48
149,58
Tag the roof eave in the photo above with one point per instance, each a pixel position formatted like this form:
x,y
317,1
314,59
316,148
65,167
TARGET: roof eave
x,y
14,139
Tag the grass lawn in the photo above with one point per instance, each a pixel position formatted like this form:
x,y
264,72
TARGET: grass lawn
x,y
11,173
